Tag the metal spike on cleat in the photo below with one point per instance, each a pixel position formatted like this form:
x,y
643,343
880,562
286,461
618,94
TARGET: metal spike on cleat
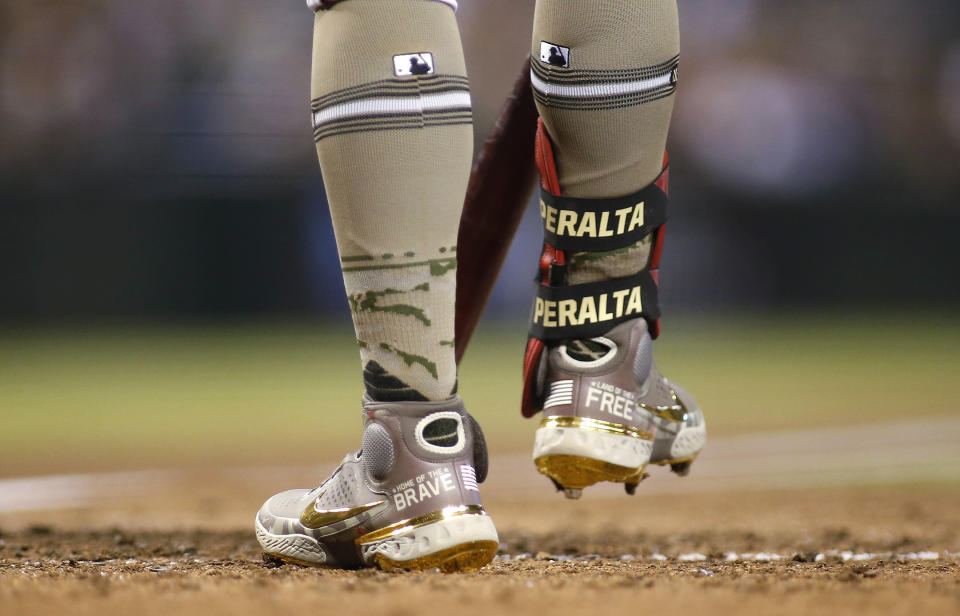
x,y
681,468
631,486
573,493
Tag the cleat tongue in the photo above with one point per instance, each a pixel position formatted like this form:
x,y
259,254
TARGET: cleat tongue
x,y
573,493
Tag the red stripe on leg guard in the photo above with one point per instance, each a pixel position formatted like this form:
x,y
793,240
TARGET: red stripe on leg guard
x,y
657,251
529,403
663,183
550,256
548,179
531,360
654,267
654,327
546,164
545,260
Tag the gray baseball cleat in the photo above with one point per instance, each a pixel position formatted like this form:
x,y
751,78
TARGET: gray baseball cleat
x,y
608,412
408,499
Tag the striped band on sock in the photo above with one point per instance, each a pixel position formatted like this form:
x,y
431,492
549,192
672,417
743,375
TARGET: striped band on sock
x,y
589,90
389,104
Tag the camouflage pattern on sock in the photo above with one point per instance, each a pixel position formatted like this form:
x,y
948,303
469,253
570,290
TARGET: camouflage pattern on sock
x,y
584,267
393,126
396,305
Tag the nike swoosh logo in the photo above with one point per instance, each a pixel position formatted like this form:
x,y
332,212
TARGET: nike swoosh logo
x,y
316,517
676,412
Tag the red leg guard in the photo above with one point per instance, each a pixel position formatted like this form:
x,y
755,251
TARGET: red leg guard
x,y
663,182
529,404
553,259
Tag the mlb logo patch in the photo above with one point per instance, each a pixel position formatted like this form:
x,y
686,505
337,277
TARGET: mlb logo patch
x,y
554,55
407,64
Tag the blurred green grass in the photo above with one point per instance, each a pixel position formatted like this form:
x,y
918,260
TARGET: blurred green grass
x,y
112,397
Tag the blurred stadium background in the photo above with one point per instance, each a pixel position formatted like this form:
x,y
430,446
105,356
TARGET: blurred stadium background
x,y
169,287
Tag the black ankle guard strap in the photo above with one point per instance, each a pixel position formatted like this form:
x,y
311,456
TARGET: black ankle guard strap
x,y
592,309
599,225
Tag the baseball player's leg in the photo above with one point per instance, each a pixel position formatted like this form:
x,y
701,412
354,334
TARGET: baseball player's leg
x,y
604,73
392,121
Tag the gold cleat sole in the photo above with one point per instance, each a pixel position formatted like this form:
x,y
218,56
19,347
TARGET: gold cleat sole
x,y
468,556
472,553
465,557
578,472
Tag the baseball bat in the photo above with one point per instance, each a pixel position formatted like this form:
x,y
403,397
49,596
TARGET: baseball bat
x,y
499,189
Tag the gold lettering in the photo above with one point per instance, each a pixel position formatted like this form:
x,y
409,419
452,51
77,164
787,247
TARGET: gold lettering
x,y
637,220
551,219
588,225
543,210
604,315
568,218
604,231
550,314
567,312
588,310
622,218
634,305
537,310
620,296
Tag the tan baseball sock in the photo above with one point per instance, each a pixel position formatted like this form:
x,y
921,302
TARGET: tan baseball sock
x,y
604,74
393,125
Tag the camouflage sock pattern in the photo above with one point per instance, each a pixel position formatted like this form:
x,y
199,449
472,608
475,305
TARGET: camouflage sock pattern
x,y
393,125
604,74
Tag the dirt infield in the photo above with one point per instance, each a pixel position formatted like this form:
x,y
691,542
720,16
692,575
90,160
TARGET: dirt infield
x,y
784,523
204,573
816,494
839,550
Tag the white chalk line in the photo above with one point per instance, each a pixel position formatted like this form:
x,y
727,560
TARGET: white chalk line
x,y
898,452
